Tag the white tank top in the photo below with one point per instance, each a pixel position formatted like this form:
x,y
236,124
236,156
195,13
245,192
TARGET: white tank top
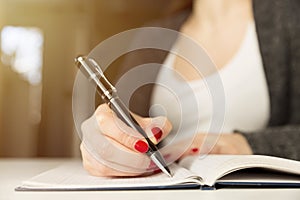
x,y
246,93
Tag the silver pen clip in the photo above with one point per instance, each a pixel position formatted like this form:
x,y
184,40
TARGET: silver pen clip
x,y
94,73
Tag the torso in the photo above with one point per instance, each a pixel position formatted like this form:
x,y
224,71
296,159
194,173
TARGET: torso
x,y
220,38
246,94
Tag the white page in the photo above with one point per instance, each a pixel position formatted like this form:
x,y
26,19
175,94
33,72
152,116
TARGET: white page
x,y
212,167
73,176
260,176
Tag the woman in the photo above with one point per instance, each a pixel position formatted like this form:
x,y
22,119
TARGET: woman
x,y
256,39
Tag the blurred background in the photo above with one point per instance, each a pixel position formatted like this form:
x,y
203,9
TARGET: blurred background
x,y
39,40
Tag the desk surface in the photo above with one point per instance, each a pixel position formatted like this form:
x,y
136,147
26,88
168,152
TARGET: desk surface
x,y
14,171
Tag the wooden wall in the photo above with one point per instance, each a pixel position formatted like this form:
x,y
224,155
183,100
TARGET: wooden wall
x,y
70,27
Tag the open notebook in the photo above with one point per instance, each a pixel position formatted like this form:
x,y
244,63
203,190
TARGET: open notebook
x,y
213,171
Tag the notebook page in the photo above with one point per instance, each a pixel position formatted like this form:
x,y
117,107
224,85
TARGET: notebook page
x,y
212,167
73,176
260,176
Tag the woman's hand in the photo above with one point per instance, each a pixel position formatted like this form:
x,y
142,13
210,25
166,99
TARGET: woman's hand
x,y
110,148
234,143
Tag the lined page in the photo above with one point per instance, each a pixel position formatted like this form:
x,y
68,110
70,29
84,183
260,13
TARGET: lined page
x,y
73,176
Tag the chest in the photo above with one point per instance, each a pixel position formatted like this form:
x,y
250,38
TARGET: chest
x,y
246,102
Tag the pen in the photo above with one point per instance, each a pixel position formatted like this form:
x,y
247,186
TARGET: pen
x,y
109,94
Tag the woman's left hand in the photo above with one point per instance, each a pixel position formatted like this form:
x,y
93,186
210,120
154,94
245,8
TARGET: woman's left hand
x,y
234,143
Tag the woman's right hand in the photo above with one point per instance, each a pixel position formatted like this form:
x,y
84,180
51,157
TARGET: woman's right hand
x,y
110,148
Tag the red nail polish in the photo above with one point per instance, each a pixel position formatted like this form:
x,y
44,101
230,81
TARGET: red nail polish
x,y
141,146
194,150
157,171
157,132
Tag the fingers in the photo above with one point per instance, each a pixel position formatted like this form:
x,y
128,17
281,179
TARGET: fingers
x,y
111,126
202,144
96,168
195,145
234,144
114,128
156,128
111,148
110,152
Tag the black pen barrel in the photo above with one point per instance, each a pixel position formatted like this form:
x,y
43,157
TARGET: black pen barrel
x,y
124,114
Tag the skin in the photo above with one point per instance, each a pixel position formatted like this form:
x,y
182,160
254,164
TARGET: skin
x,y
124,138
217,25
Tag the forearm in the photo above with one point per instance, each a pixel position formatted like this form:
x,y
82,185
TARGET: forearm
x,y
281,141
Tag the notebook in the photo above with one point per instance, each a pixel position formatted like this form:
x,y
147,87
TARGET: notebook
x,y
193,172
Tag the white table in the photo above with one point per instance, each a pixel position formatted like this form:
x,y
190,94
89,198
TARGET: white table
x,y
14,171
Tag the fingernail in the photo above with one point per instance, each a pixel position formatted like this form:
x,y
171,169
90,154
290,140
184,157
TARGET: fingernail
x,y
157,171
157,132
194,150
141,146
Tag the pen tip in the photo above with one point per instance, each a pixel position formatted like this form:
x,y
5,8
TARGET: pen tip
x,y
168,172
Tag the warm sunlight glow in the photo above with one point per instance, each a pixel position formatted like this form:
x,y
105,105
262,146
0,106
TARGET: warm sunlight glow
x,y
22,49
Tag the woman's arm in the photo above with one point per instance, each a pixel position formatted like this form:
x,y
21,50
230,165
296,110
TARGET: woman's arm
x,y
276,141
282,137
